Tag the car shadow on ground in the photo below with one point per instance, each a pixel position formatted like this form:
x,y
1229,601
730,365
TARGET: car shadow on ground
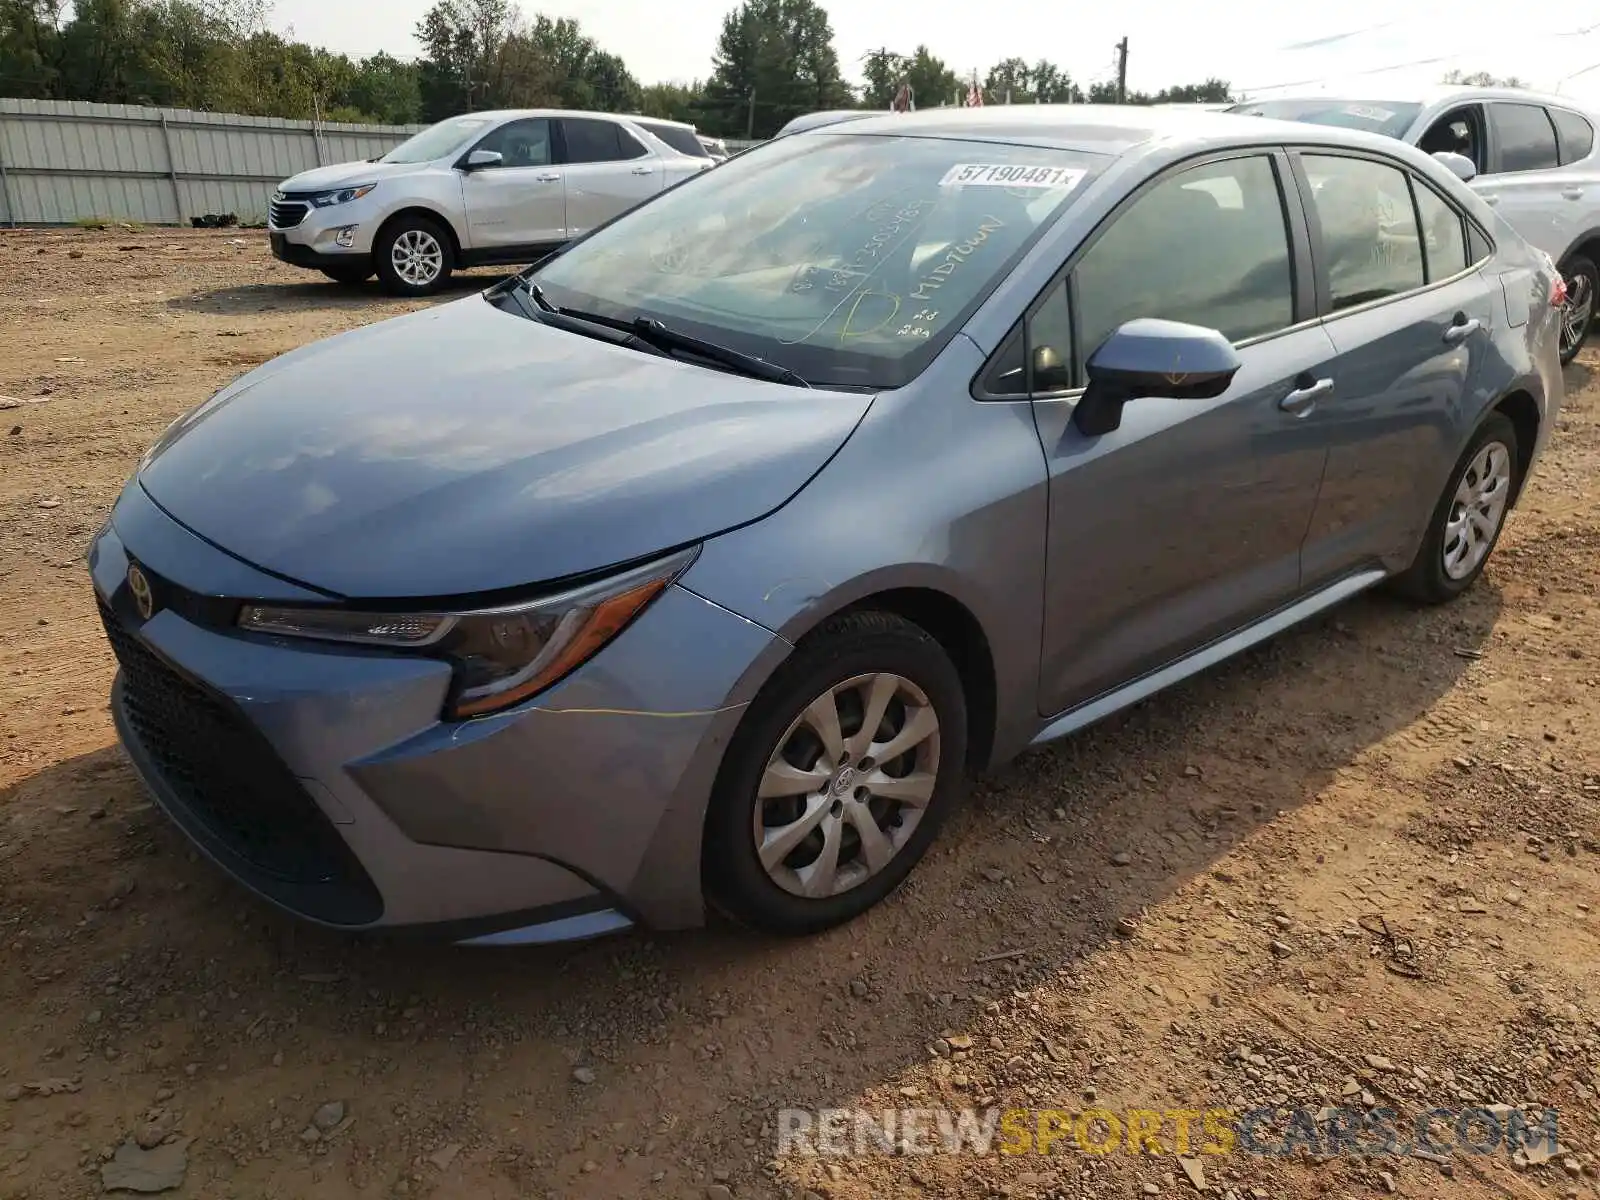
x,y
308,291
1032,876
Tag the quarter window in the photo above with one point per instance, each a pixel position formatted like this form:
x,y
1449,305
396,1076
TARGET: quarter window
x,y
1574,135
1208,246
1443,235
1526,138
1370,245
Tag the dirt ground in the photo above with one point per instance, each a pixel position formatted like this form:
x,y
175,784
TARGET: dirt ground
x,y
1184,908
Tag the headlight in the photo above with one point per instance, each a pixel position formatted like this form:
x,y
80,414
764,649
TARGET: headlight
x,y
501,656
342,196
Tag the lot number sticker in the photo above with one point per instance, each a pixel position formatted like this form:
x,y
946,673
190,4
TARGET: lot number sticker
x,y
1010,175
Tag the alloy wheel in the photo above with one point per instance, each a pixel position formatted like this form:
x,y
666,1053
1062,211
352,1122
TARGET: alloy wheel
x,y
417,256
847,785
1477,510
1577,313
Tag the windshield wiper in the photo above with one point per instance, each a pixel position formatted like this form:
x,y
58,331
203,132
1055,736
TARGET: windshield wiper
x,y
664,337
535,306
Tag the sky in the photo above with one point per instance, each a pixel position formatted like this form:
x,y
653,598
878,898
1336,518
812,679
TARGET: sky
x,y
1349,46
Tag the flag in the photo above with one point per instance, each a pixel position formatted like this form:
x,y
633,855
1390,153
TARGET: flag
x,y
974,93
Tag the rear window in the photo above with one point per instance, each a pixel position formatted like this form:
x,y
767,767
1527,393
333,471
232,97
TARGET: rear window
x,y
1389,118
684,141
1526,138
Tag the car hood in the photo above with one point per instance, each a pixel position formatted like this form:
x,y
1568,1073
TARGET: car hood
x,y
463,449
322,179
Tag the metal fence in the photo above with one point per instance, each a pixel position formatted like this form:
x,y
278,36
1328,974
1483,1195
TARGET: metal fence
x,y
67,161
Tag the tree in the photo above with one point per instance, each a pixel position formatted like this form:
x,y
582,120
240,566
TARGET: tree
x,y
1212,91
672,101
1482,79
932,82
774,61
883,70
1043,83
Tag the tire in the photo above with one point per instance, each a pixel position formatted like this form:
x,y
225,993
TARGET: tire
x,y
845,661
1430,579
349,276
405,251
1583,285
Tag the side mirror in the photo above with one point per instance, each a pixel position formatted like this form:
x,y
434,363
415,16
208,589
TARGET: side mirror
x,y
479,159
1050,371
1462,167
1147,357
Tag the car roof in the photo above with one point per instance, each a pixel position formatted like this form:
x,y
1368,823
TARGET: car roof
x,y
659,121
1429,97
504,114
1106,129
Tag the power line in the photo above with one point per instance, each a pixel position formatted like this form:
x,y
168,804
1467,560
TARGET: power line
x,y
1416,62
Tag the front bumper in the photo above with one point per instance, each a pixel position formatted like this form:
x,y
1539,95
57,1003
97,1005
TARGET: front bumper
x,y
324,781
315,239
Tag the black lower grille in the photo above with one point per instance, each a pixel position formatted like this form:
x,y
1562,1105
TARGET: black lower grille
x,y
286,214
231,781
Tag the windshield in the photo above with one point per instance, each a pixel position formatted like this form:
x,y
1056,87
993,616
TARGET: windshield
x,y
849,259
680,138
1390,118
436,141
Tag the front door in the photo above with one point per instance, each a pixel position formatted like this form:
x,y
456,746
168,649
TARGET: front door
x,y
607,170
1411,320
1186,522
520,202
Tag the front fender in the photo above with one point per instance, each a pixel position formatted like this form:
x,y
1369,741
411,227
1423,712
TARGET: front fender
x,y
935,491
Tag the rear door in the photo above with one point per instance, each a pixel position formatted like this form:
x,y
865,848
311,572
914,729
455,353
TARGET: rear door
x,y
520,202
1186,522
1410,313
1525,182
607,171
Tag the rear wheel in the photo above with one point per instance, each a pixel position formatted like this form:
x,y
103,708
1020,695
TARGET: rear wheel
x,y
413,256
1468,519
838,778
1577,314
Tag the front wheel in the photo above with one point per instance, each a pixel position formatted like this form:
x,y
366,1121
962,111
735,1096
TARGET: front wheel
x,y
1468,519
1577,314
838,778
413,257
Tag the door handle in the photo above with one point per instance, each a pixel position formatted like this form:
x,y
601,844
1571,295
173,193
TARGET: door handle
x,y
1572,193
643,170
1462,329
1491,201
549,177
1303,399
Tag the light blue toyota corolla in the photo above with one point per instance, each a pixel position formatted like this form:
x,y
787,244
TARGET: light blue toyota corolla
x,y
698,564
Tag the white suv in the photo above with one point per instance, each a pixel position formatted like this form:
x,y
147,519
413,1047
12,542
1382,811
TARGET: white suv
x,y
1533,158
491,187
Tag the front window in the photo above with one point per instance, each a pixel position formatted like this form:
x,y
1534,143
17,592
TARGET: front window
x,y
1390,118
437,141
849,259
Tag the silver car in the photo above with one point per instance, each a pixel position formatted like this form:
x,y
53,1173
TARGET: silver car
x,y
475,190
700,563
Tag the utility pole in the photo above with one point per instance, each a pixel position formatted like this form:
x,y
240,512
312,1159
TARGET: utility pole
x,y
1122,71
750,120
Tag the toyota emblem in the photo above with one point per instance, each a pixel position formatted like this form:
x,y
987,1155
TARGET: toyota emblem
x,y
143,598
